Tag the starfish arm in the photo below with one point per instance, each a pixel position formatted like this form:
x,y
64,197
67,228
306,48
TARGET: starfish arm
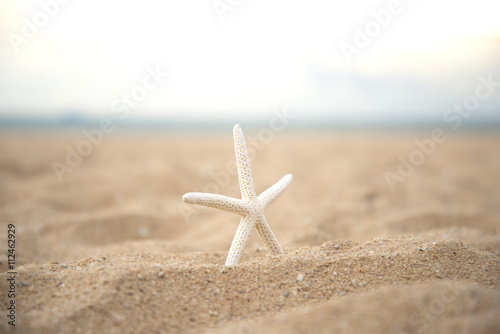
x,y
268,236
243,164
240,240
221,202
273,192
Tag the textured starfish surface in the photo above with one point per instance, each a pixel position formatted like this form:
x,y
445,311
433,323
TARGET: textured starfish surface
x,y
251,207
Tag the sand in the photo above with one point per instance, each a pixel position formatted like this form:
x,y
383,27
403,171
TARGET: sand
x,y
112,248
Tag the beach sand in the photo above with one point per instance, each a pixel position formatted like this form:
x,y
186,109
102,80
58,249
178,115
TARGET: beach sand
x,y
112,248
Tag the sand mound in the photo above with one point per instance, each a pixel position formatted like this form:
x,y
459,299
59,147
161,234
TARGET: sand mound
x,y
191,292
112,248
440,307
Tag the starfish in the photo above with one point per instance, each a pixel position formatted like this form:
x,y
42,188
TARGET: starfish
x,y
250,207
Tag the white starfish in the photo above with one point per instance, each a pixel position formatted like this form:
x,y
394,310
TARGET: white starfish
x,y
251,207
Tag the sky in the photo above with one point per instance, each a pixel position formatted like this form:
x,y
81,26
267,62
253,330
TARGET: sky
x,y
386,60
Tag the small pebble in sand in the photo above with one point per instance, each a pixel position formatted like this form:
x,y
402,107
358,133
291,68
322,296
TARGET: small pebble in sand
x,y
64,265
300,277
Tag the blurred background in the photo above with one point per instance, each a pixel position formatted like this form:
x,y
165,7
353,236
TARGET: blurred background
x,y
386,112
335,64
